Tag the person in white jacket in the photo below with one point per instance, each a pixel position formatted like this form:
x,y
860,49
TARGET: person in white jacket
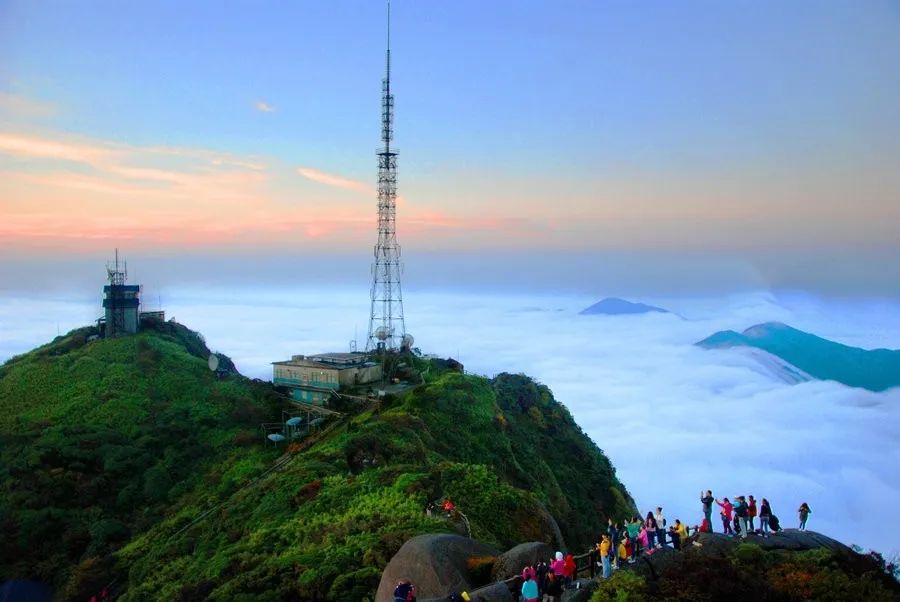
x,y
660,527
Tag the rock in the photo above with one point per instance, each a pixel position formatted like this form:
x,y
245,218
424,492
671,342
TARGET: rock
x,y
790,539
435,563
654,565
511,562
583,593
496,592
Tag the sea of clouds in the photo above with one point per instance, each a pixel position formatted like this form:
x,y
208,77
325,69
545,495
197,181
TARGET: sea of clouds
x,y
672,417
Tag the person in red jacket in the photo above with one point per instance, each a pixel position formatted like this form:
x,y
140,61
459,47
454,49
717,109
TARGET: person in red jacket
x,y
726,515
569,570
751,513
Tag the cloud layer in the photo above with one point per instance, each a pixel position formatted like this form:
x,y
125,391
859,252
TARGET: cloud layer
x,y
673,418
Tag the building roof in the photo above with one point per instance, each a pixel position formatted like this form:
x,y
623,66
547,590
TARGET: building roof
x,y
310,364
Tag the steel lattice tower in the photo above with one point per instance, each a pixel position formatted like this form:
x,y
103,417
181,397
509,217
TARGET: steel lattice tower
x,y
387,329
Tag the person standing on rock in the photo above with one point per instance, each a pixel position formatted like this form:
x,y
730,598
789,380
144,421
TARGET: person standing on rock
x,y
613,532
634,528
606,556
660,527
751,513
650,527
804,512
742,510
707,501
726,516
765,511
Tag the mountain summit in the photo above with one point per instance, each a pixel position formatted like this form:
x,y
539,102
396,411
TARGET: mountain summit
x,y
875,370
613,306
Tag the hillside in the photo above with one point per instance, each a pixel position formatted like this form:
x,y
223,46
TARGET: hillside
x,y
613,306
876,370
112,451
101,440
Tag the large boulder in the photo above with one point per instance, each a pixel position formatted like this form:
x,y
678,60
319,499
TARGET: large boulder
x,y
790,539
495,592
656,563
583,591
436,564
510,563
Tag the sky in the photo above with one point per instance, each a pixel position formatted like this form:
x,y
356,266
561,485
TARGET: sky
x,y
758,136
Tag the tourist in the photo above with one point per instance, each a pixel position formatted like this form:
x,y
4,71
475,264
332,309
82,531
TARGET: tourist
x,y
405,591
553,590
557,564
660,527
675,537
634,527
644,540
569,570
542,571
623,552
448,507
605,556
707,501
804,512
705,527
650,527
613,531
593,559
630,548
741,511
751,513
726,515
765,511
681,529
530,591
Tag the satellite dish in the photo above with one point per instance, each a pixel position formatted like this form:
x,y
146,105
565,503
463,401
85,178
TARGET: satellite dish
x,y
213,362
382,333
407,341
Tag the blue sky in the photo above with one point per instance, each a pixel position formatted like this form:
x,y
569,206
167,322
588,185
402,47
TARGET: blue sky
x,y
627,126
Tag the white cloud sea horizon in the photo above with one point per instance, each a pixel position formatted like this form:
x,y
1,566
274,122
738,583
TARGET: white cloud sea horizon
x,y
673,418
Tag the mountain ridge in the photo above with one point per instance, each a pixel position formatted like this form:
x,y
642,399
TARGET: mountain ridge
x,y
876,369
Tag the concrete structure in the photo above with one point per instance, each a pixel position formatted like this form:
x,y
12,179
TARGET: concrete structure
x,y
313,378
121,303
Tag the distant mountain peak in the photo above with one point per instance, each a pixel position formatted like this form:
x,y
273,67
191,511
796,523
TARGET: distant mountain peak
x,y
875,370
615,306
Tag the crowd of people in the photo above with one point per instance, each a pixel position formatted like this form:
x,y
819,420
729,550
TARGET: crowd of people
x,y
624,542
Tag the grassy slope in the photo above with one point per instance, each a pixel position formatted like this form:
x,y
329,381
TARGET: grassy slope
x,y
327,526
99,441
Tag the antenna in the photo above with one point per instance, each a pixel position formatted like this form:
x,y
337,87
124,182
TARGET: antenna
x,y
386,323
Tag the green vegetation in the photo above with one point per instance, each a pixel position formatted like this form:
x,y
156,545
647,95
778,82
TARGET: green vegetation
x,y
111,451
750,573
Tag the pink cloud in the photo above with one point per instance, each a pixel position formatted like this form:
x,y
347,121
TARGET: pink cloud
x,y
334,180
24,106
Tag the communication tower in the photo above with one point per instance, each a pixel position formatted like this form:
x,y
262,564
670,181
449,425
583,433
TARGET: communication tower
x,y
387,328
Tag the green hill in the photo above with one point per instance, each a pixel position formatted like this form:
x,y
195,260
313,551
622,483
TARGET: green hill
x,y
128,461
876,369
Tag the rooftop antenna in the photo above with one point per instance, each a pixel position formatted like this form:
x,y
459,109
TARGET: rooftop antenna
x,y
386,323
